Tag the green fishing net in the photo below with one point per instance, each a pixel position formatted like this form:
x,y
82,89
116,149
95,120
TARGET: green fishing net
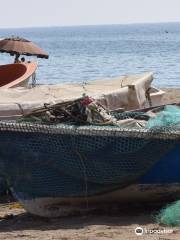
x,y
170,215
168,117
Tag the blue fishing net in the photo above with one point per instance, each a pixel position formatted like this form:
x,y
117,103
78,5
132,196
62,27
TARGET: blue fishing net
x,y
73,161
168,117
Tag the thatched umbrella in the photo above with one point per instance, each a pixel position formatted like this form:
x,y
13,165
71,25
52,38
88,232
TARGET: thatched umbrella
x,y
20,46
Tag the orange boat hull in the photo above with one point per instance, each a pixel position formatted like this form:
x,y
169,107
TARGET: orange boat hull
x,y
17,74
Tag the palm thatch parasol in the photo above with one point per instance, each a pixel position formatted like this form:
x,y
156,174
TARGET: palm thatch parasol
x,y
19,46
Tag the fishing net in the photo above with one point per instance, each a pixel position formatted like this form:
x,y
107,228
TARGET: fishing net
x,y
68,160
78,147
80,111
168,117
170,215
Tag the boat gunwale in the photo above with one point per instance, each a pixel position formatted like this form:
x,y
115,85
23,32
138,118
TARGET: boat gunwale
x,y
93,130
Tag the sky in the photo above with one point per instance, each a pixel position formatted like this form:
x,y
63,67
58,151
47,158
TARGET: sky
x,y
34,13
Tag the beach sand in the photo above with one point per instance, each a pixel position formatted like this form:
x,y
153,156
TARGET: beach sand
x,y
111,223
172,95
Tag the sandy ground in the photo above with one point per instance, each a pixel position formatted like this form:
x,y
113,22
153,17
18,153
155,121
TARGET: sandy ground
x,y
111,223
172,95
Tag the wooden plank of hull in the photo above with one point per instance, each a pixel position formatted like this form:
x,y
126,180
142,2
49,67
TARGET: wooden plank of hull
x,y
55,207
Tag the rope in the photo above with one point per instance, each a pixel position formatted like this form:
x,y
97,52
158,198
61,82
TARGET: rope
x,y
75,150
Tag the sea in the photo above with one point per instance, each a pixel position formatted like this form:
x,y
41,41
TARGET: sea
x,y
86,53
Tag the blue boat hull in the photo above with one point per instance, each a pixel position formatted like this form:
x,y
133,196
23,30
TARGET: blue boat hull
x,y
71,166
2,186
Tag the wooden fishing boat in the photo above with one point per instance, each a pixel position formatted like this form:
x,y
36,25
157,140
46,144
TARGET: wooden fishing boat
x,y
54,170
17,74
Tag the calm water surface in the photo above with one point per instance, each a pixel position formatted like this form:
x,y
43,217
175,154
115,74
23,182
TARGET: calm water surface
x,y
79,54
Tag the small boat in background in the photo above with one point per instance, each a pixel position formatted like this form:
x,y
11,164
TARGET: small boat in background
x,y
17,74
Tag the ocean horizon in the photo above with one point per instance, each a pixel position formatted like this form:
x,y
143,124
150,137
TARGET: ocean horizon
x,y
85,53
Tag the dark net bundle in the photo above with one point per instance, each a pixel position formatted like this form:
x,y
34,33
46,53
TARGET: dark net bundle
x,y
84,110
81,111
57,113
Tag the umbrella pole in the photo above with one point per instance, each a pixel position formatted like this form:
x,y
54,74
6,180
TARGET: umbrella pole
x,y
16,60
